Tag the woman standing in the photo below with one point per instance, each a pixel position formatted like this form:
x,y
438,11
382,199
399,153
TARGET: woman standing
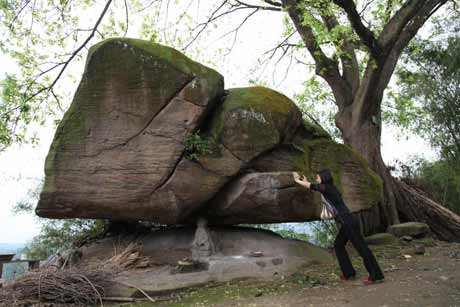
x,y
349,229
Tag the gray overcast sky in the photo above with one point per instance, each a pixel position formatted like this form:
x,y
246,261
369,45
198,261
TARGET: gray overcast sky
x,y
22,166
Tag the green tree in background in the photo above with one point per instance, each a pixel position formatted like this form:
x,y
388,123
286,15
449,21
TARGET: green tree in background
x,y
428,104
429,82
55,235
324,233
442,180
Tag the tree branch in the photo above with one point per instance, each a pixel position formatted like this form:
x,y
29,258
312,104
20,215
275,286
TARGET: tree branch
x,y
127,18
349,62
366,35
403,26
377,76
284,42
10,26
395,26
274,3
326,67
265,8
147,6
412,26
237,29
72,56
233,7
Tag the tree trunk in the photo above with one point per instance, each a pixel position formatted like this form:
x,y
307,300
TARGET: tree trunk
x,y
363,134
419,207
400,200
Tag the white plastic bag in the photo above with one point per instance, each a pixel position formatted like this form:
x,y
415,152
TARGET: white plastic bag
x,y
328,211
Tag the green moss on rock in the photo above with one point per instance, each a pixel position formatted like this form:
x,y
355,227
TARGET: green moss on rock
x,y
253,120
167,54
131,67
315,130
342,160
413,229
264,102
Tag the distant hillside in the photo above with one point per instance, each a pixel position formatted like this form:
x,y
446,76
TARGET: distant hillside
x,y
11,248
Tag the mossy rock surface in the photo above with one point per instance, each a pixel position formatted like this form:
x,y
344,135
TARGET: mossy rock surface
x,y
359,185
361,188
413,229
124,131
253,120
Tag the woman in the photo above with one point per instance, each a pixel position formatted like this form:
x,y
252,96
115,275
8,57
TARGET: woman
x,y
349,229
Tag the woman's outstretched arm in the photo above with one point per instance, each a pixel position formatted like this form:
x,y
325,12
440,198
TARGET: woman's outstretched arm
x,y
305,183
301,180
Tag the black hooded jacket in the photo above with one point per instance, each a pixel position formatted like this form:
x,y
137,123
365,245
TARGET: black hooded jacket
x,y
330,192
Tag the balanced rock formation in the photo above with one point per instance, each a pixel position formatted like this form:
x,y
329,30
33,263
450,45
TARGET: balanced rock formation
x,y
128,148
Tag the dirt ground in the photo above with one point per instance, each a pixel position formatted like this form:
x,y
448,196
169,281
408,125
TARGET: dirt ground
x,y
431,279
428,280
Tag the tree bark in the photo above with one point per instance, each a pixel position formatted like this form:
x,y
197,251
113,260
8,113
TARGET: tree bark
x,y
401,202
417,206
363,134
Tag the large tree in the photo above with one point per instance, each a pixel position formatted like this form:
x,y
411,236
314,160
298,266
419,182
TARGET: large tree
x,y
354,45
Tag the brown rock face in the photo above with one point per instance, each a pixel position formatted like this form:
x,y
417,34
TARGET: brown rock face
x,y
121,149
249,122
123,135
264,198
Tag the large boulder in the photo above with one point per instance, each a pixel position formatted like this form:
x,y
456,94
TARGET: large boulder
x,y
121,149
272,142
123,134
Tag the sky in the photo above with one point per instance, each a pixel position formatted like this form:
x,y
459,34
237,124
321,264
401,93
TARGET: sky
x,y
22,166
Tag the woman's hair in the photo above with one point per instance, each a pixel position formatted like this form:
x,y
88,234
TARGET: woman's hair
x,y
326,176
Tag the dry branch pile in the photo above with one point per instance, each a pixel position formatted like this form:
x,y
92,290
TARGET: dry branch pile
x,y
61,286
129,257
79,285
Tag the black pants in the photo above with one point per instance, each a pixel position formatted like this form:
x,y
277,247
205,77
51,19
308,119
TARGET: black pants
x,y
349,230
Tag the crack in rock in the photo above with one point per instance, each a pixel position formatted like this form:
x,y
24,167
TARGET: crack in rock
x,y
148,123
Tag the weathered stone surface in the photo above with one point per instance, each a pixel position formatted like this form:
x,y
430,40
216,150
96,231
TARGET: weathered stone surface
x,y
232,260
263,198
119,152
381,238
236,137
269,197
413,229
268,194
253,120
360,186
123,135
